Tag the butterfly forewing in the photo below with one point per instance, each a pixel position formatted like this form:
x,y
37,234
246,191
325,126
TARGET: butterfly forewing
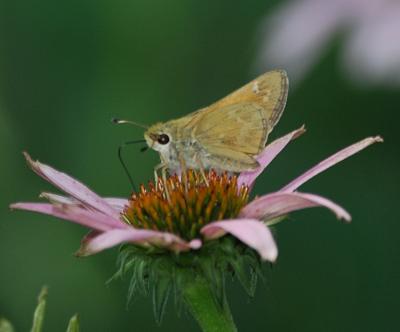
x,y
237,126
269,91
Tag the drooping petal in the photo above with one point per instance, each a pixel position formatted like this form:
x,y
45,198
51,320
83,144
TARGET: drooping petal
x,y
269,154
329,162
251,232
59,199
76,214
72,187
280,203
89,236
95,244
117,203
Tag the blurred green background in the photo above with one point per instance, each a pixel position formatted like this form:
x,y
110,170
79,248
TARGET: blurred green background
x,y
67,67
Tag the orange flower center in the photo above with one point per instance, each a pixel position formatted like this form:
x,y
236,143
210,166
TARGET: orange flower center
x,y
182,206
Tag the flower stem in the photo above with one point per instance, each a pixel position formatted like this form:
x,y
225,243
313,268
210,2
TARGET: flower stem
x,y
202,305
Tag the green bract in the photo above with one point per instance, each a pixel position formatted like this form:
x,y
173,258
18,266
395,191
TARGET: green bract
x,y
162,272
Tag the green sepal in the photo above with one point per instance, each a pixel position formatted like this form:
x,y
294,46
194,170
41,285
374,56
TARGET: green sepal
x,y
246,274
161,291
5,325
215,277
73,325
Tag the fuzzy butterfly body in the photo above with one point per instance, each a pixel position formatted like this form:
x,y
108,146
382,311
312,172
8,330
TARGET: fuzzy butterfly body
x,y
227,135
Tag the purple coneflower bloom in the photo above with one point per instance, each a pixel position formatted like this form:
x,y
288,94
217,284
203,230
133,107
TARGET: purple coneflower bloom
x,y
194,214
298,33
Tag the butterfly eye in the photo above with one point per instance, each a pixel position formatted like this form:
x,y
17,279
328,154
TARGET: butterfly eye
x,y
163,139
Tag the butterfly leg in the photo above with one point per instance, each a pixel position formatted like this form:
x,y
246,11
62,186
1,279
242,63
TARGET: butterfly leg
x,y
201,169
156,169
164,180
163,168
184,173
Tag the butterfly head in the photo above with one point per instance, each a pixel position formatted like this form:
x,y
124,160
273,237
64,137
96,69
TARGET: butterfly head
x,y
158,137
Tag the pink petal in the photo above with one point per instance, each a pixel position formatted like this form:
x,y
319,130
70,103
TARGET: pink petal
x,y
269,154
71,187
251,232
76,214
89,236
280,203
117,203
329,162
92,245
56,199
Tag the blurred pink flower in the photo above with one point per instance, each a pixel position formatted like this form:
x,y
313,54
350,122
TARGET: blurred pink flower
x,y
105,216
297,35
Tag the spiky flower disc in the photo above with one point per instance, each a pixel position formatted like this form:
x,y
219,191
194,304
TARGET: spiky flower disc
x,y
183,205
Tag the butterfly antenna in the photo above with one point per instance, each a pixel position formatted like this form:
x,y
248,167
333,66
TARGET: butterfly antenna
x,y
137,124
123,162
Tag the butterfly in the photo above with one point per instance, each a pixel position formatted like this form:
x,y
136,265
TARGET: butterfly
x,y
227,135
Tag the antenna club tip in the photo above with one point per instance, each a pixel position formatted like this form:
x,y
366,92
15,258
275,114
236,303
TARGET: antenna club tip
x,y
119,121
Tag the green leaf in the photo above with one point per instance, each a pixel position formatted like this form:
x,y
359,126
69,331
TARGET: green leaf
x,y
73,325
38,316
5,325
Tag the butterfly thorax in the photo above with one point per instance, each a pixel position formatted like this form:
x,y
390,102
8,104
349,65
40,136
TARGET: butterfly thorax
x,y
181,150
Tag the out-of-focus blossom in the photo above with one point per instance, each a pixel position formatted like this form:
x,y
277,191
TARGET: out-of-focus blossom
x,y
300,32
184,213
